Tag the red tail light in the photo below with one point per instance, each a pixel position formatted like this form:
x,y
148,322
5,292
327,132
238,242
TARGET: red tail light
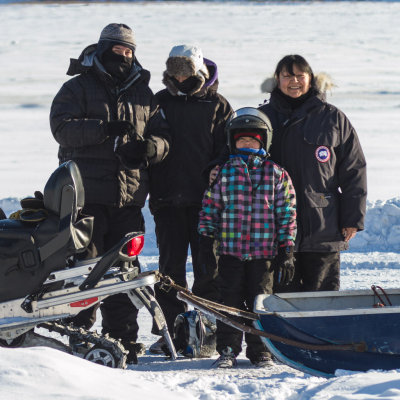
x,y
135,246
84,303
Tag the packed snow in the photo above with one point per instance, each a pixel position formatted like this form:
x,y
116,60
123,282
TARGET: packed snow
x,y
355,42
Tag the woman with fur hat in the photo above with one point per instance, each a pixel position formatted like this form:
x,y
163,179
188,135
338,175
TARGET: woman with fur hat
x,y
316,143
196,114
97,117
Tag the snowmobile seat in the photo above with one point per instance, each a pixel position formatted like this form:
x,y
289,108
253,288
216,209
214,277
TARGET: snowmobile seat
x,y
30,251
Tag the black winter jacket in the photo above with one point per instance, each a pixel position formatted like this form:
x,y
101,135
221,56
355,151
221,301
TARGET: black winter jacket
x,y
320,150
77,118
197,124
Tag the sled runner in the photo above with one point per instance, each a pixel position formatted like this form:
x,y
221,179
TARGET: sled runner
x,y
320,332
41,283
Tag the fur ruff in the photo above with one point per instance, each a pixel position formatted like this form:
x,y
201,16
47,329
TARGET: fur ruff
x,y
180,66
183,66
169,83
323,81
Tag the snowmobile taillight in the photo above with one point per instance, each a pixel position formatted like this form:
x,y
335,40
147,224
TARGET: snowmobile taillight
x,y
135,246
85,302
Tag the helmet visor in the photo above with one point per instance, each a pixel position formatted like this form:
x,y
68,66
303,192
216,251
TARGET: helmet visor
x,y
250,111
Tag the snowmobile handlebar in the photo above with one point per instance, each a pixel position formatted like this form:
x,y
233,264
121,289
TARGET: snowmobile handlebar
x,y
127,249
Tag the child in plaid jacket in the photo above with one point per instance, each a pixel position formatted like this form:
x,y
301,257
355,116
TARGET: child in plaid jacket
x,y
250,212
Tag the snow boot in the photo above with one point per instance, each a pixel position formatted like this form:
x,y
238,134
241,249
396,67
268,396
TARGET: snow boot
x,y
158,347
262,360
134,350
227,359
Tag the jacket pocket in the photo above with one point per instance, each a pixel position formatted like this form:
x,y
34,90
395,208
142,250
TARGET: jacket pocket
x,y
322,217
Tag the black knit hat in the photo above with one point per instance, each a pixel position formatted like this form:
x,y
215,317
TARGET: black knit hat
x,y
118,34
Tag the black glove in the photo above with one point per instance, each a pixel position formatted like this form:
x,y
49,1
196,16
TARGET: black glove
x,y
136,152
119,128
284,265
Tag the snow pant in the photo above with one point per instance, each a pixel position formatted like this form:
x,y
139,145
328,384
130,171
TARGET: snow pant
x,y
240,283
110,225
314,272
176,230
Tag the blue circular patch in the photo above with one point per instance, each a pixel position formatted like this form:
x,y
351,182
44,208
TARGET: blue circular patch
x,y
323,154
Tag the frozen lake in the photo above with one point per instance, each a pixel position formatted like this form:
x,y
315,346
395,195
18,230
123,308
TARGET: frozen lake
x,y
357,43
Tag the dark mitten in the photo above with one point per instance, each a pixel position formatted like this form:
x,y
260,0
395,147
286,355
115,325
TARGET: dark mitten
x,y
119,128
284,265
136,152
33,202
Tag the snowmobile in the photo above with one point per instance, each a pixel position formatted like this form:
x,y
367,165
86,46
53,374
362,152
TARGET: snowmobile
x,y
42,284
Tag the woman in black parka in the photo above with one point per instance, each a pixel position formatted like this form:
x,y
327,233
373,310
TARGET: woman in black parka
x,y
316,143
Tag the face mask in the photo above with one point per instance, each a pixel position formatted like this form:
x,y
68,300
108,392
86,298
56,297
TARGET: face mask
x,y
187,85
116,65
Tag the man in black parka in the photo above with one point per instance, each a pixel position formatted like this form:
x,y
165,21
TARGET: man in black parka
x,y
196,114
95,117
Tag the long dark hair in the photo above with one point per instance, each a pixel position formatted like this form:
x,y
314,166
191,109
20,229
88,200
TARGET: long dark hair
x,y
287,63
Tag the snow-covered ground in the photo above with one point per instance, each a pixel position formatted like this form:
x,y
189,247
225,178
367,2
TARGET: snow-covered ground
x,y
357,43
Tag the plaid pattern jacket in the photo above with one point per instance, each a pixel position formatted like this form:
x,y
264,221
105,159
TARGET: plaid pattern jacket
x,y
250,209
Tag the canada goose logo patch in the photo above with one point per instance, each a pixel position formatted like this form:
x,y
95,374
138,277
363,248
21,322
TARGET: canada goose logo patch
x,y
322,154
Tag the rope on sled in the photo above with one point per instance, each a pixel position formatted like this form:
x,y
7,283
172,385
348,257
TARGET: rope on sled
x,y
168,283
210,307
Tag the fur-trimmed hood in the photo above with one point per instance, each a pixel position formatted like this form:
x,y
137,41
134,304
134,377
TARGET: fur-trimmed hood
x,y
323,83
207,77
